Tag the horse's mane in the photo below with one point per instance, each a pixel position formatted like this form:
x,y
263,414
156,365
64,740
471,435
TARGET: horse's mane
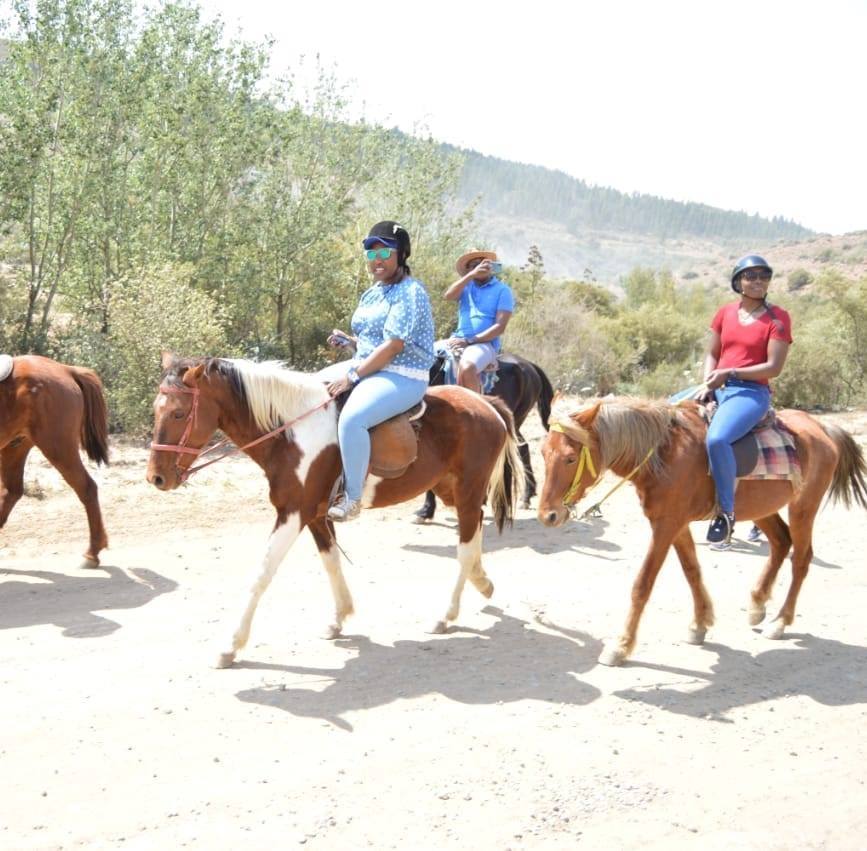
x,y
272,393
625,428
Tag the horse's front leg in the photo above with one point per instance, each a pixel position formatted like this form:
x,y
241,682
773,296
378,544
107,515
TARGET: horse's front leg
x,y
286,530
426,512
662,536
702,605
323,533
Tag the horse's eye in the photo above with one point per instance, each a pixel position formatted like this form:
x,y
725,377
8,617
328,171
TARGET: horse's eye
x,y
178,415
571,460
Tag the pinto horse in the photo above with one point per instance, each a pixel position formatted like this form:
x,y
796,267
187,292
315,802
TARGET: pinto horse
x,y
521,384
56,408
661,449
287,423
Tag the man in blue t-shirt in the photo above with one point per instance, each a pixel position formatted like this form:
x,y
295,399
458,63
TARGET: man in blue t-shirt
x,y
485,306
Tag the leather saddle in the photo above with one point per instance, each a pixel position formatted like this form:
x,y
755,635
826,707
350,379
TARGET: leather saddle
x,y
6,364
394,443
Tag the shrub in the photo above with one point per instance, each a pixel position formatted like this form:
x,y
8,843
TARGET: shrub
x,y
153,311
799,278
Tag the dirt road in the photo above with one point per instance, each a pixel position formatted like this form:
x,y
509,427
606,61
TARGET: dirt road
x,y
505,733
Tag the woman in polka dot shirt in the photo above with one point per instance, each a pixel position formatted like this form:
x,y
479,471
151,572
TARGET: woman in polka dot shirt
x,y
394,336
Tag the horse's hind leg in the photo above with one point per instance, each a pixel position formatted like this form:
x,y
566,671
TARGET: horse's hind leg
x,y
12,460
285,532
702,605
801,528
426,512
323,534
470,560
68,462
529,478
779,541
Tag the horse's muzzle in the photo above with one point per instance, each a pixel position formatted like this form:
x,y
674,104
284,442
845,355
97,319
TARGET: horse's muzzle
x,y
552,517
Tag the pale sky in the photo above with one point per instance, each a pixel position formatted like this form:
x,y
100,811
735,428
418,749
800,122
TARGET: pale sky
x,y
756,106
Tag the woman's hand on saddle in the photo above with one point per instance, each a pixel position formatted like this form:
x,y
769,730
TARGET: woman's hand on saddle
x,y
716,378
457,345
335,388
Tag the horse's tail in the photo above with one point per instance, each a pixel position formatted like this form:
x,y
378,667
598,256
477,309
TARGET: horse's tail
x,y
544,403
850,475
94,426
507,479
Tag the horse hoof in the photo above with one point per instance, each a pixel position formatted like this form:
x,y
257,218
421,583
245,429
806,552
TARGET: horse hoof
x,y
89,562
756,615
420,519
525,503
439,628
696,635
774,630
332,631
225,660
612,657
489,591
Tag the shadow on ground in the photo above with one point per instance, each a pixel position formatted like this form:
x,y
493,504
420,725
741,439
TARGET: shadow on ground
x,y
506,662
71,602
830,672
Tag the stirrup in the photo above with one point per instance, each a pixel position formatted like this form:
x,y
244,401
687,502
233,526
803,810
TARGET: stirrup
x,y
344,509
721,528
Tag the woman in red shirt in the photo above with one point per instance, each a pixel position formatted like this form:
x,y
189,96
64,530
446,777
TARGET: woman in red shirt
x,y
749,343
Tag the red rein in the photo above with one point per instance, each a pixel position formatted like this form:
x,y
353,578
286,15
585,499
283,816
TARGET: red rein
x,y
182,448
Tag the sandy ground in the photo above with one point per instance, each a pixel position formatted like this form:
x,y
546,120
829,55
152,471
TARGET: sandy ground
x,y
115,732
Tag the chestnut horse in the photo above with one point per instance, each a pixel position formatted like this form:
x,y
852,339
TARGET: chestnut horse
x,y
662,448
56,408
286,422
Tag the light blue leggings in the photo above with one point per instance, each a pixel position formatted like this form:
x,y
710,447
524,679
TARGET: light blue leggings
x,y
374,399
741,405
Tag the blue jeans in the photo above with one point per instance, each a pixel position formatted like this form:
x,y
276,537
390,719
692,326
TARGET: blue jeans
x,y
373,400
741,405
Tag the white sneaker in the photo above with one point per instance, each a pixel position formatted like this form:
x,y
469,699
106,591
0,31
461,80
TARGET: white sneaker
x,y
344,509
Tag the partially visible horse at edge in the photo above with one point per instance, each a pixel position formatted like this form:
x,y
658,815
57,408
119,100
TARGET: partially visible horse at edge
x,y
467,452
663,447
521,384
56,408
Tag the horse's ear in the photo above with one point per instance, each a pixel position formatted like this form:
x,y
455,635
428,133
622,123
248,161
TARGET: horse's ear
x,y
586,418
193,374
167,360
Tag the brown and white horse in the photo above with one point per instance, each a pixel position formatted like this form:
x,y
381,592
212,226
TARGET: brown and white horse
x,y
286,422
661,449
56,408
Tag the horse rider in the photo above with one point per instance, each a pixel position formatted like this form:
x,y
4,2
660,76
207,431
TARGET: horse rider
x,y
749,341
485,306
393,353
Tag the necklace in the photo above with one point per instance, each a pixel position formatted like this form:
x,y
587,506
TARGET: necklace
x,y
753,312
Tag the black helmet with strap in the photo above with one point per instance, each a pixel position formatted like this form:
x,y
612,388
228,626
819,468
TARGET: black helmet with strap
x,y
751,261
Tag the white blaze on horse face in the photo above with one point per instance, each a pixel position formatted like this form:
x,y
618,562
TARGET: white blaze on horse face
x,y
368,495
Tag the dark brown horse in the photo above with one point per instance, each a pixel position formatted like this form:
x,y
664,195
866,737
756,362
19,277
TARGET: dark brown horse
x,y
286,422
522,385
663,448
56,408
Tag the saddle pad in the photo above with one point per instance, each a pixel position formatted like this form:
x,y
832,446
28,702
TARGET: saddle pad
x,y
5,366
488,377
768,453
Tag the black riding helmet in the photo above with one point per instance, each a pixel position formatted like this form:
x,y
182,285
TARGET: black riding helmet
x,y
751,261
392,235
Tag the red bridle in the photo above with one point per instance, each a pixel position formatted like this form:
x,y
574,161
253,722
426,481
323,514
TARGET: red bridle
x,y
181,448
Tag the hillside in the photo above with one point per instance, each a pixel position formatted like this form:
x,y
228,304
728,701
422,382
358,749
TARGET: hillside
x,y
590,231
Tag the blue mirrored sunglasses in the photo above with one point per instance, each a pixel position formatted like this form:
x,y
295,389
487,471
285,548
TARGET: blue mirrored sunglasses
x,y
381,253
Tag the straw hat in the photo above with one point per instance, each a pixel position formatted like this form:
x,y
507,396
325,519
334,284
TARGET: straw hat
x,y
472,259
